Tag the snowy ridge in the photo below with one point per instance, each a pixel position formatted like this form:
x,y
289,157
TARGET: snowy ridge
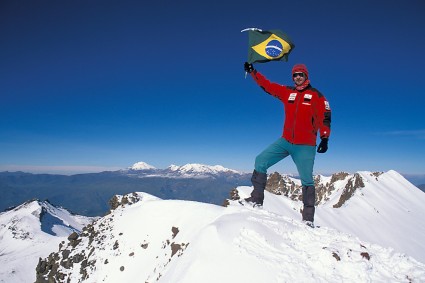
x,y
183,241
30,231
379,207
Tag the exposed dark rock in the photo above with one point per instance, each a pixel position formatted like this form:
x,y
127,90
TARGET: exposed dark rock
x,y
73,239
117,201
65,254
178,248
233,196
114,202
73,236
77,258
67,264
175,248
336,256
47,270
339,176
282,185
353,184
175,231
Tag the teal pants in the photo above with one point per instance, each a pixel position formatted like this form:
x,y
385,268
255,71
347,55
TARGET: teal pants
x,y
302,155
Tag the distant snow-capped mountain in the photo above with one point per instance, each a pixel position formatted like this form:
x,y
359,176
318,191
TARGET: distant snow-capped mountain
x,y
146,239
141,166
200,169
191,170
30,231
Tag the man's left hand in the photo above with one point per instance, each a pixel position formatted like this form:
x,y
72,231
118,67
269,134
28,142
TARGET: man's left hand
x,y
323,146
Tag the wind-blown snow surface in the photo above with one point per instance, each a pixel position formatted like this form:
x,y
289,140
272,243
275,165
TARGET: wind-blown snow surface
x,y
388,211
23,241
157,240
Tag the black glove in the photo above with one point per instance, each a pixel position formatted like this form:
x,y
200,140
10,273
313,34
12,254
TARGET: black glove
x,y
248,67
323,146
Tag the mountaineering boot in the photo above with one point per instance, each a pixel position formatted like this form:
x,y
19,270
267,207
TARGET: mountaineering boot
x,y
309,199
309,224
259,181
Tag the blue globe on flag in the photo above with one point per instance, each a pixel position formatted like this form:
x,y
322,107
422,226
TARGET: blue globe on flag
x,y
274,48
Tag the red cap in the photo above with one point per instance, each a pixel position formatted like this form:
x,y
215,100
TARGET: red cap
x,y
300,68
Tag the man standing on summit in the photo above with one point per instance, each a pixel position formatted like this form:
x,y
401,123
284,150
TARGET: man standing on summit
x,y
306,112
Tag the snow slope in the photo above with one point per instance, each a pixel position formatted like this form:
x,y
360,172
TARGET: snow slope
x,y
388,211
154,240
30,231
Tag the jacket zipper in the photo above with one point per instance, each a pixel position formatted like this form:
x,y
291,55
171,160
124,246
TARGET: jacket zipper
x,y
295,116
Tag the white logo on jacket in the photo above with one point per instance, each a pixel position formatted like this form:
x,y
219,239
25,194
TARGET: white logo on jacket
x,y
308,96
292,96
327,106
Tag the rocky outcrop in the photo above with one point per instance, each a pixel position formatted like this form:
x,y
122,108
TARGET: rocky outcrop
x,y
54,268
283,185
84,252
353,184
118,200
279,184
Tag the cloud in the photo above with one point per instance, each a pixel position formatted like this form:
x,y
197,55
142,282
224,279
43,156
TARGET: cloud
x,y
63,169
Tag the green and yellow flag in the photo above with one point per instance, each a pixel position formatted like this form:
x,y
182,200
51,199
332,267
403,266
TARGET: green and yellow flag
x,y
265,46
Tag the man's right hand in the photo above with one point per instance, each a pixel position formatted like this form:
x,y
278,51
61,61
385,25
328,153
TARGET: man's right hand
x,y
248,67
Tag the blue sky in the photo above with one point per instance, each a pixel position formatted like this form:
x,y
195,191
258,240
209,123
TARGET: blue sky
x,y
99,85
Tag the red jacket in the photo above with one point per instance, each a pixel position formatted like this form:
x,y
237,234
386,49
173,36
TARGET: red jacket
x,y
306,111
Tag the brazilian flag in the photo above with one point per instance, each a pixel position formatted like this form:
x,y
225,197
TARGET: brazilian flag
x,y
265,46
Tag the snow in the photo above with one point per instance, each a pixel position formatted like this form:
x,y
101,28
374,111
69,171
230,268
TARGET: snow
x,y
387,211
374,237
157,240
201,168
191,170
142,166
22,242
186,169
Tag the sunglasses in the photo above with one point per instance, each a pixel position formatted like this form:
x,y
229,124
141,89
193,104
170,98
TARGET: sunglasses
x,y
298,74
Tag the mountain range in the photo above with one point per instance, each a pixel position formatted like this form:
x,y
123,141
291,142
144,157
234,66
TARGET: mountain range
x,y
88,194
369,227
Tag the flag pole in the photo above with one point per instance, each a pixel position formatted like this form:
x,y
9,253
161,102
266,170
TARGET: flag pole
x,y
247,29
